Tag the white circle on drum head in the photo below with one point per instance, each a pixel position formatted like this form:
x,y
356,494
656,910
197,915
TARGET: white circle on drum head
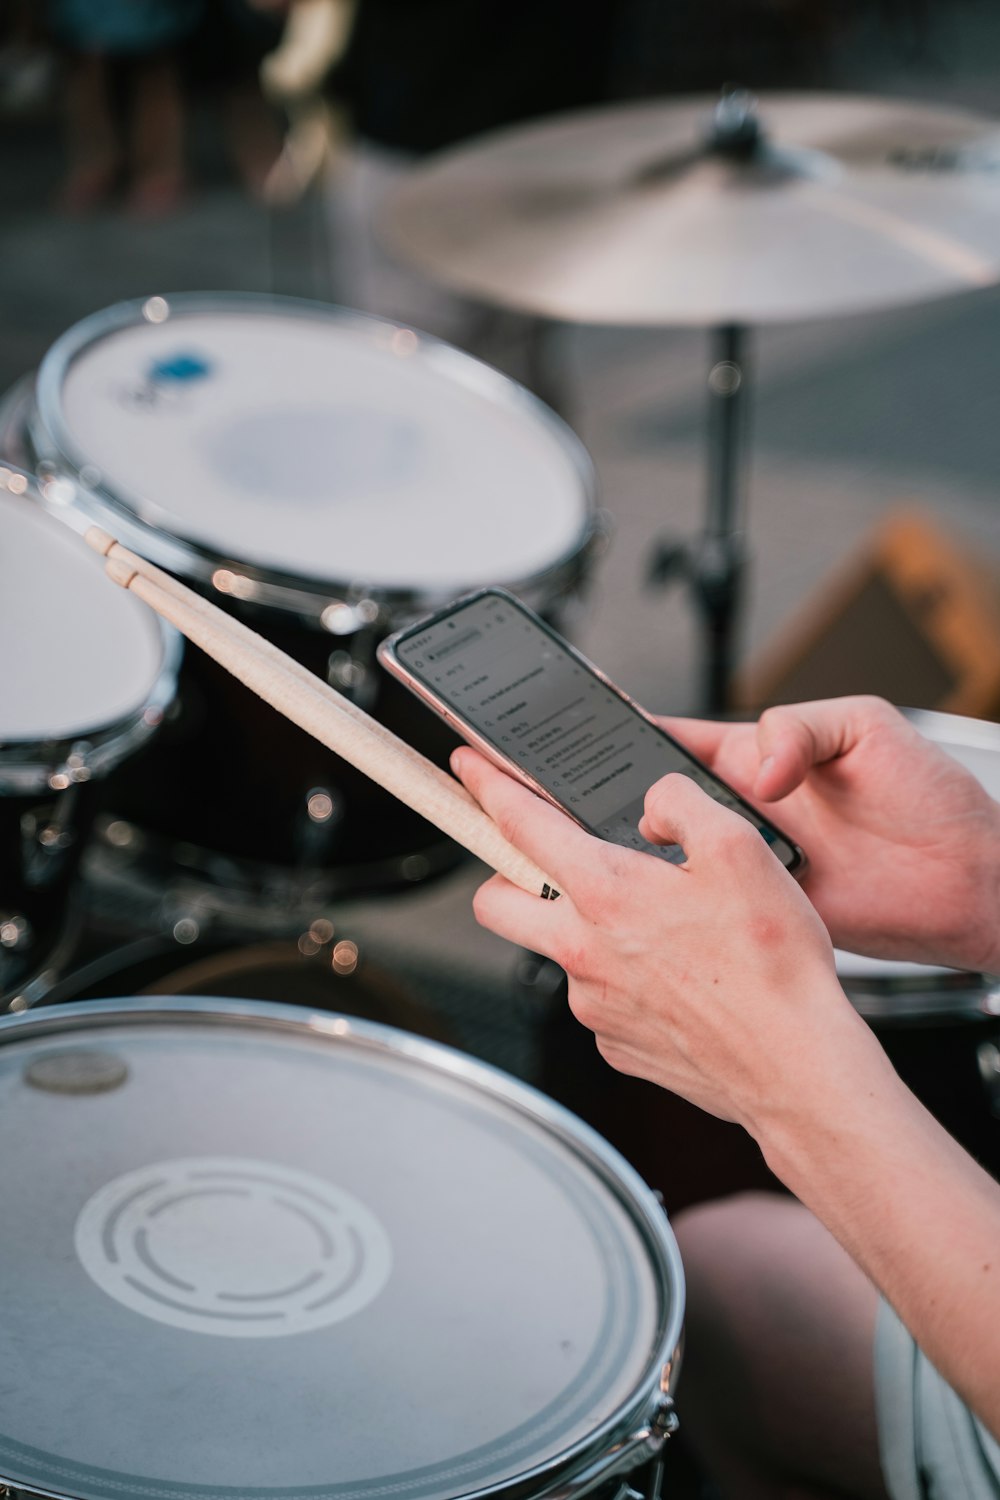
x,y
232,1247
328,446
87,654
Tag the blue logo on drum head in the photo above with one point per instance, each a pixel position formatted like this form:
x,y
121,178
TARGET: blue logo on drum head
x,y
180,369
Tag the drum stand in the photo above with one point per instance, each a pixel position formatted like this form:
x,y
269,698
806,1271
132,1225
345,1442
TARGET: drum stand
x,y
712,564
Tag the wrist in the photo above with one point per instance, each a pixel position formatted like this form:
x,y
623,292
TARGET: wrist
x,y
815,1118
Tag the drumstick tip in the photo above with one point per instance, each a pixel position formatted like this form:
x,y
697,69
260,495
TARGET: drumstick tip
x,y
120,572
102,541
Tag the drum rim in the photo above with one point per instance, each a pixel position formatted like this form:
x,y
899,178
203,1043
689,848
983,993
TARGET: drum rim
x,y
940,728
151,531
26,765
658,1381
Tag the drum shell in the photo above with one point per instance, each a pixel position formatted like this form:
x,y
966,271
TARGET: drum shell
x,y
44,837
87,700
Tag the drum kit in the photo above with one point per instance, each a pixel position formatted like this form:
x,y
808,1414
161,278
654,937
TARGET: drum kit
x,y
261,1248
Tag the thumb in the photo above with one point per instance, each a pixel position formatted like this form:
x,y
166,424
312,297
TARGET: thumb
x,y
795,737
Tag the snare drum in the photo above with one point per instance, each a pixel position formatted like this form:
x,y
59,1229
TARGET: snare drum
x,y
253,1251
328,476
941,1027
88,677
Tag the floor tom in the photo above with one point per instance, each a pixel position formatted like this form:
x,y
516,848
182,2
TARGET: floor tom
x,y
307,1255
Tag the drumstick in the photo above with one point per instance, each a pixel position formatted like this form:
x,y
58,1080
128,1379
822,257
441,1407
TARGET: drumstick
x,y
322,712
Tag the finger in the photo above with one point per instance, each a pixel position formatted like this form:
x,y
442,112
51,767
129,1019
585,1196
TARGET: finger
x,y
703,737
677,811
728,749
795,737
534,826
508,911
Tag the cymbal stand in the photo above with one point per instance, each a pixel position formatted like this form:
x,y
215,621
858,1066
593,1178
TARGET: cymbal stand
x,y
712,565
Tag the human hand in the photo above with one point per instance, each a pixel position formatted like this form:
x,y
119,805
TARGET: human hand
x,y
903,843
714,979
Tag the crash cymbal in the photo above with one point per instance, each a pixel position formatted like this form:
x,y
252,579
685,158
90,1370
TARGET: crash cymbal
x,y
746,212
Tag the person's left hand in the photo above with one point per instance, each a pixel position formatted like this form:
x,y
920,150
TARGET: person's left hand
x,y
714,978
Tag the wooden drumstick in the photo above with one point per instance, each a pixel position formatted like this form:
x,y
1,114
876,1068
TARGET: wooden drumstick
x,y
324,713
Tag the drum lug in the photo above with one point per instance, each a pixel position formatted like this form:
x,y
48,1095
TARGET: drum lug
x,y
15,932
74,770
665,1420
988,1057
318,826
640,1448
348,675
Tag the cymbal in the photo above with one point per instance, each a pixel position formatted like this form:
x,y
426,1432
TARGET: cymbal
x,y
701,212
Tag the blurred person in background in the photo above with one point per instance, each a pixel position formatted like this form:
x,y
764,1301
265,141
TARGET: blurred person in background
x,y
124,103
224,62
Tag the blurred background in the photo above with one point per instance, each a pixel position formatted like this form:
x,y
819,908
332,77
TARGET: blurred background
x,y
230,147
153,149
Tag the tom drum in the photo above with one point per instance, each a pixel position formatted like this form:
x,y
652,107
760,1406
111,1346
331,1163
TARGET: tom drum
x,y
326,475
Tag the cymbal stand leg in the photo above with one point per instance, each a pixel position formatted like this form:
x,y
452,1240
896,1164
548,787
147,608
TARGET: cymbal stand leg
x,y
713,564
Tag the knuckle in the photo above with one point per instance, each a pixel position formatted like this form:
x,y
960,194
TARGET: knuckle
x,y
573,956
737,836
878,710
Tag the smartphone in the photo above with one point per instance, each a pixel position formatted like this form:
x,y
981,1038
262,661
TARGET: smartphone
x,y
512,687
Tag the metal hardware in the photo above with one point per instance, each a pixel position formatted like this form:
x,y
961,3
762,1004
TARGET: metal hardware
x,y
712,565
988,1057
623,1457
15,930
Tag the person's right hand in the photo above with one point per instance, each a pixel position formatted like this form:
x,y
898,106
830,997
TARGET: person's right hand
x,y
903,844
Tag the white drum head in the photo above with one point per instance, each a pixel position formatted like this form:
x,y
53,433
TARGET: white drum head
x,y
85,654
249,1252
326,446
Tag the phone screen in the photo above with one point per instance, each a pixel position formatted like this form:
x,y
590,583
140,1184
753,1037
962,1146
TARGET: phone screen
x,y
540,705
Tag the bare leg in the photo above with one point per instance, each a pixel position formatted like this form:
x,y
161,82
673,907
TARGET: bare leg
x,y
94,154
157,136
776,1390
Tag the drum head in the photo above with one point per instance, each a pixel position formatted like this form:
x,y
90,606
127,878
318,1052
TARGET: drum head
x,y
87,653
317,442
251,1252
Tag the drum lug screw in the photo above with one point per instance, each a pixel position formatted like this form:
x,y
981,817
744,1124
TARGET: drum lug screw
x,y
665,1421
988,1057
15,930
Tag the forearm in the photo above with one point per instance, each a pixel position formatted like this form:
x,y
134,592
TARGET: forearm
x,y
914,1211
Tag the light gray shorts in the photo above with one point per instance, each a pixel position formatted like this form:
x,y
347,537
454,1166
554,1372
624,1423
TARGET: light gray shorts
x,y
931,1446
